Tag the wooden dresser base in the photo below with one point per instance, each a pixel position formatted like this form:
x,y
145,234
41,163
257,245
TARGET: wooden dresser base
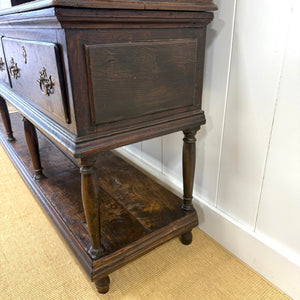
x,y
137,214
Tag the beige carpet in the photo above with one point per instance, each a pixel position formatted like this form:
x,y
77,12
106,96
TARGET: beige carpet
x,y
35,262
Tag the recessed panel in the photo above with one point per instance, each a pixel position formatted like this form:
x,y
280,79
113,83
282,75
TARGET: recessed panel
x,y
4,78
132,79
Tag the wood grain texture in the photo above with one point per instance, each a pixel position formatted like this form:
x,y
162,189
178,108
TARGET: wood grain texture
x,y
33,147
75,42
39,56
4,76
197,5
6,120
71,29
139,78
145,81
188,167
127,229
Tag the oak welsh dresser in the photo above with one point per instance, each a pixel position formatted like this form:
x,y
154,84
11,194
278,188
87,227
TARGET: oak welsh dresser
x,y
91,76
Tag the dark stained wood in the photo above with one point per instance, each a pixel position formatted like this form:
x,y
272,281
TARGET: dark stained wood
x,y
71,30
195,5
186,238
140,78
6,120
102,285
17,2
91,204
33,147
132,193
127,229
38,62
92,76
188,167
156,119
4,77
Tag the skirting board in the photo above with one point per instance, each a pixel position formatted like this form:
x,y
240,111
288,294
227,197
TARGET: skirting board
x,y
266,259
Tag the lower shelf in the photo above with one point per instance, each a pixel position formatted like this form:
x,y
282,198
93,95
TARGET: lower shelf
x,y
137,214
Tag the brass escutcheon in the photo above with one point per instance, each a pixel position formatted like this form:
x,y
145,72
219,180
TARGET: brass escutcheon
x,y
14,71
2,65
46,83
24,54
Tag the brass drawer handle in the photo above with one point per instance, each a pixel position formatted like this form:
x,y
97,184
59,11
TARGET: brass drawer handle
x,y
24,54
46,83
13,69
2,65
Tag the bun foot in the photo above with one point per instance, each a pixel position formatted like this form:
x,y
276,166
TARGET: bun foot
x,y
102,285
186,238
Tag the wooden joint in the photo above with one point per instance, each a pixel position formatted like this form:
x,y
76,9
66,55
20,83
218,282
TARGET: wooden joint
x,y
96,253
189,135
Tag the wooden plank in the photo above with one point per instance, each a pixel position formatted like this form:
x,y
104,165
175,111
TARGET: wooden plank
x,y
150,203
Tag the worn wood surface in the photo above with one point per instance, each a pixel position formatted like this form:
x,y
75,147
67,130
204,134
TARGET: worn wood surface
x,y
141,78
188,167
33,148
18,2
4,77
196,5
159,101
32,57
123,71
136,213
6,120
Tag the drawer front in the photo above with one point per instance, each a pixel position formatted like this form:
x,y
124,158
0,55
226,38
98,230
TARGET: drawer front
x,y
128,80
4,78
35,73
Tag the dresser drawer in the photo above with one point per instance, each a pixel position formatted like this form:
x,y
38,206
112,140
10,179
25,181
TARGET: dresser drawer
x,y
4,78
35,73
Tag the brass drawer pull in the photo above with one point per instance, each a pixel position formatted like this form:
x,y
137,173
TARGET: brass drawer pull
x,y
2,65
13,69
46,83
24,54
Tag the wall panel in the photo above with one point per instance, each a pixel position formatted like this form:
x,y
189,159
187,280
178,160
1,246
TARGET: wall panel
x,y
257,56
278,216
218,51
5,4
152,152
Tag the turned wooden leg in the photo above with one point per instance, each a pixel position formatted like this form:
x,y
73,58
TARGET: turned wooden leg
x,y
188,167
6,120
188,170
33,147
102,285
91,204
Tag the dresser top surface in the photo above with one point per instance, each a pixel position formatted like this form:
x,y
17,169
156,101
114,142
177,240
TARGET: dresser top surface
x,y
176,5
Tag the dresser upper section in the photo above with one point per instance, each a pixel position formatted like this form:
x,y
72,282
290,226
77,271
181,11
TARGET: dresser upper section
x,y
176,5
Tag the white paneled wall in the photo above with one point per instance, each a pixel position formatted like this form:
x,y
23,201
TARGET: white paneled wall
x,y
4,4
257,57
247,185
278,214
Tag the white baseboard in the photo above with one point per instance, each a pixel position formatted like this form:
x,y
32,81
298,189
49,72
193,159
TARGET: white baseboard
x,y
248,246
251,248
